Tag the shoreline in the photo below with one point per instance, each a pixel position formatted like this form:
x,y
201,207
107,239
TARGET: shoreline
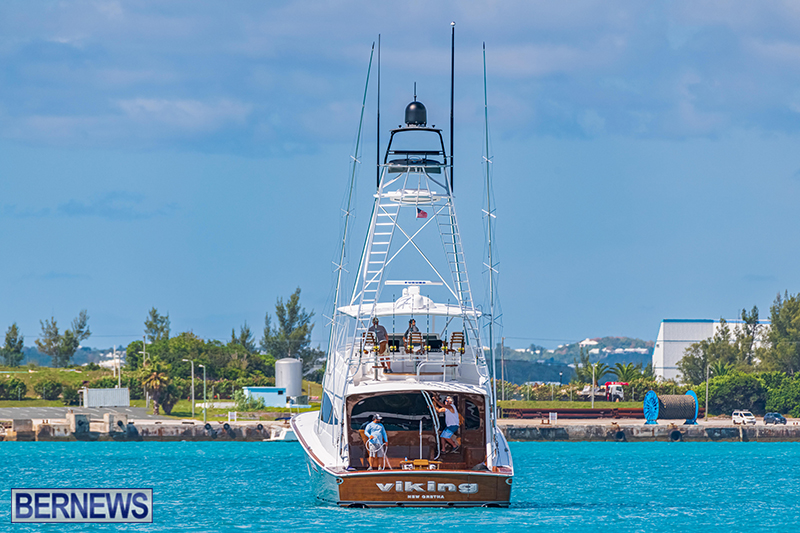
x,y
115,426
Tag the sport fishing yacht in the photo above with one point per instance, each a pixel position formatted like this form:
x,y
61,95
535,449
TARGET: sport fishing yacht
x,y
412,266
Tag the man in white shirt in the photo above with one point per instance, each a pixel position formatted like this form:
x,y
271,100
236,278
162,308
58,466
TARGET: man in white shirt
x,y
451,421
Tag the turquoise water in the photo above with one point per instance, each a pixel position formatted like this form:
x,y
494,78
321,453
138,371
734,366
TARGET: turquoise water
x,y
608,487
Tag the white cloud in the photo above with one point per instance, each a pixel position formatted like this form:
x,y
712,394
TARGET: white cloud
x,y
186,115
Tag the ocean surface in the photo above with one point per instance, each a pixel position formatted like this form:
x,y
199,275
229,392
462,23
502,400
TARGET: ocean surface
x,y
587,487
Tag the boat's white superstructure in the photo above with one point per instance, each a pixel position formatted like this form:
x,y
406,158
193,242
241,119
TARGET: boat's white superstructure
x,y
412,266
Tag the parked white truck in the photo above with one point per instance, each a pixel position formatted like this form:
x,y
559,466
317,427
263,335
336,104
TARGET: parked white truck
x,y
611,392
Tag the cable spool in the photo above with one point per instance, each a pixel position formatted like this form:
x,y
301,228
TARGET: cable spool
x,y
670,407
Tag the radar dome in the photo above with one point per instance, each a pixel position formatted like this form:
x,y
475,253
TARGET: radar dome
x,y
416,114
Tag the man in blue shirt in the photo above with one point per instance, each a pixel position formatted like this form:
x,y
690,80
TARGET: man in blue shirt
x,y
377,442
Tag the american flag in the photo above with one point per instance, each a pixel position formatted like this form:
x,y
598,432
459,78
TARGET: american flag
x,y
421,213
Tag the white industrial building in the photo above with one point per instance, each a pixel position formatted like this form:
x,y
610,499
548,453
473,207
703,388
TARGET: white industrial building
x,y
676,335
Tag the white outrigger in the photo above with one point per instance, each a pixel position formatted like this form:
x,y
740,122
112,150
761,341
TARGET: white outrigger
x,y
413,203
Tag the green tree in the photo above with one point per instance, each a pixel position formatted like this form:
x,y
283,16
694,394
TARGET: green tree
x,y
133,356
62,347
627,372
785,397
291,337
69,395
12,389
156,327
600,370
783,336
245,338
155,379
747,337
12,349
735,390
48,389
720,368
583,367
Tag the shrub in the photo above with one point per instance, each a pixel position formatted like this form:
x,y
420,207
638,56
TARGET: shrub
x,y
785,398
169,397
244,403
106,382
734,391
16,389
48,389
69,395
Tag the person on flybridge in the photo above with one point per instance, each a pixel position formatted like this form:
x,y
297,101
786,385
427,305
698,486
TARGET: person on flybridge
x,y
382,337
412,328
452,421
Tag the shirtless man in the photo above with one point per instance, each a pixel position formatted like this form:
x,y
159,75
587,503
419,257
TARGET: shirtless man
x,y
383,341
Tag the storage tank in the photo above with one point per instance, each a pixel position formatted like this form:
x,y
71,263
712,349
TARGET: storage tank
x,y
289,375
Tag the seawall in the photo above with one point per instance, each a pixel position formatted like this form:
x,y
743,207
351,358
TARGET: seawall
x,y
666,432
77,427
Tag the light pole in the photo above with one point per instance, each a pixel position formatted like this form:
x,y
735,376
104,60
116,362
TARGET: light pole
x,y
593,385
560,384
503,365
706,414
205,401
191,361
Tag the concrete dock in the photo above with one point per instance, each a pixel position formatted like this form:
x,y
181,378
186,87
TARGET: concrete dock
x,y
131,425
113,425
635,430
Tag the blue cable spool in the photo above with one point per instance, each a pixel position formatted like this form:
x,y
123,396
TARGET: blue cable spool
x,y
670,407
650,407
693,421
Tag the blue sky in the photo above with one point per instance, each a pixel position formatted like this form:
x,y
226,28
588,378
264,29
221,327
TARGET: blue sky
x,y
193,155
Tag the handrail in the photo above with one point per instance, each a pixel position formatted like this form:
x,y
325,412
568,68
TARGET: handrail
x,y
434,420
444,368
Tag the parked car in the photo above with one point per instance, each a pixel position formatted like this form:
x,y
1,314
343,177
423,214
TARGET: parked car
x,y
743,417
774,418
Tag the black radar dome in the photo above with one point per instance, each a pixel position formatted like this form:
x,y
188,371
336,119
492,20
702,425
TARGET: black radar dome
x,y
416,114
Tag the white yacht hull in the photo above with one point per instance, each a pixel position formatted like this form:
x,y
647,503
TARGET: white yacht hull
x,y
406,488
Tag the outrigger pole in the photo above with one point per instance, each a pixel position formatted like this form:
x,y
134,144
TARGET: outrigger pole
x,y
489,215
347,213
452,78
378,144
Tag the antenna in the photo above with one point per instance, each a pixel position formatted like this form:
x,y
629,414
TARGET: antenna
x,y
415,91
452,69
378,148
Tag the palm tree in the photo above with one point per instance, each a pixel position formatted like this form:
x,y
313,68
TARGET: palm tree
x,y
155,380
626,373
719,368
600,370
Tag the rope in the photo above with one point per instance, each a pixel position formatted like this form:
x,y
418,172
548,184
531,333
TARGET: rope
x,y
674,406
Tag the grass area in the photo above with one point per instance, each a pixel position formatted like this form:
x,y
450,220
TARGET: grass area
x,y
183,409
510,404
30,402
67,376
